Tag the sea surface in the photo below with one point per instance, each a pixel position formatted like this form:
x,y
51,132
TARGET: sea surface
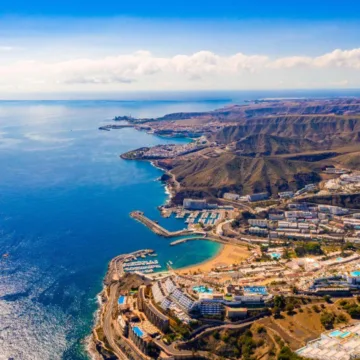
x,y
65,198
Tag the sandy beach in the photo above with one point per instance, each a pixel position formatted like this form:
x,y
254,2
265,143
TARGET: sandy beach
x,y
229,254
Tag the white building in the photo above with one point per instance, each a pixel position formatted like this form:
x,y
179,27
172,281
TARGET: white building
x,y
334,210
286,195
191,204
258,222
231,196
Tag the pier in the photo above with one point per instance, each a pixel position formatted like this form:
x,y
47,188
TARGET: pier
x,y
117,126
183,240
156,228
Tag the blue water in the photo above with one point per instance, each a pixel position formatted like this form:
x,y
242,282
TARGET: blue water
x,y
121,300
336,333
65,196
202,289
138,331
355,273
256,289
345,334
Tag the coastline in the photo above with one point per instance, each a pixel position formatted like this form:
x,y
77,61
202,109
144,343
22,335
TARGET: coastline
x,y
204,262
96,346
90,343
168,190
228,254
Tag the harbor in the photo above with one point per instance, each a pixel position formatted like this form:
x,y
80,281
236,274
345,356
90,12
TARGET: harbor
x,y
145,266
156,228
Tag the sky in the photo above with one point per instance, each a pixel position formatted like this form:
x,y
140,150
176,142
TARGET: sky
x,y
75,47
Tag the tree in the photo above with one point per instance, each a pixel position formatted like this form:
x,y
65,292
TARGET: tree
x,y
287,354
279,301
289,308
277,312
312,248
327,320
354,312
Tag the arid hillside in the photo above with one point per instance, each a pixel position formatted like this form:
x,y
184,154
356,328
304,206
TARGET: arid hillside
x,y
327,131
242,174
271,145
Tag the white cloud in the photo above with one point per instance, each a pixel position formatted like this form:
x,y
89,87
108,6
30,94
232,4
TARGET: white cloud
x,y
143,70
6,48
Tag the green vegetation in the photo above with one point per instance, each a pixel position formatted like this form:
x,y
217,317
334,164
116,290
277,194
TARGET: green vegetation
x,y
352,308
327,320
287,354
235,344
312,248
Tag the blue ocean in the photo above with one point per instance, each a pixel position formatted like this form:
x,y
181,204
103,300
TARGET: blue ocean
x,y
65,198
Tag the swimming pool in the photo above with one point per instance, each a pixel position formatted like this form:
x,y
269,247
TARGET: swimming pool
x,y
256,290
345,334
339,259
336,333
121,300
138,331
355,273
275,256
203,289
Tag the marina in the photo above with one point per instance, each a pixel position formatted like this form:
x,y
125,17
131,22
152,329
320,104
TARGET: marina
x,y
146,266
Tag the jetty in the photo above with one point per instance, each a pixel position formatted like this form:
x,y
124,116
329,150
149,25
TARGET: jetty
x,y
156,228
118,126
185,239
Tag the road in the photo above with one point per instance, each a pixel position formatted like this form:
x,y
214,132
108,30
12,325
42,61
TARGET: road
x,y
108,331
219,227
239,205
172,349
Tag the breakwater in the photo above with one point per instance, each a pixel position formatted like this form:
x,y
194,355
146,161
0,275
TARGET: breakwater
x,y
109,127
156,228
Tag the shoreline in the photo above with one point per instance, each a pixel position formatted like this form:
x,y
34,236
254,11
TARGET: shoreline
x,y
204,262
227,255
168,191
94,346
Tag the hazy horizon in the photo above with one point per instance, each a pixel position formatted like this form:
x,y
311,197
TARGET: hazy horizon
x,y
94,49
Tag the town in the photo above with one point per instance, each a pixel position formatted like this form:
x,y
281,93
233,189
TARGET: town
x,y
290,248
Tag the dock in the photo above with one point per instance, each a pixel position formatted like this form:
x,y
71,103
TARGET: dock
x,y
156,228
183,240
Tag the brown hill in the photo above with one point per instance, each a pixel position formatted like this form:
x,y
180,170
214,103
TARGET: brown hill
x,y
277,146
261,109
241,174
350,161
262,144
329,131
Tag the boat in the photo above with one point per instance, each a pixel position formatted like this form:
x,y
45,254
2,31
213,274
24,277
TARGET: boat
x,y
5,255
